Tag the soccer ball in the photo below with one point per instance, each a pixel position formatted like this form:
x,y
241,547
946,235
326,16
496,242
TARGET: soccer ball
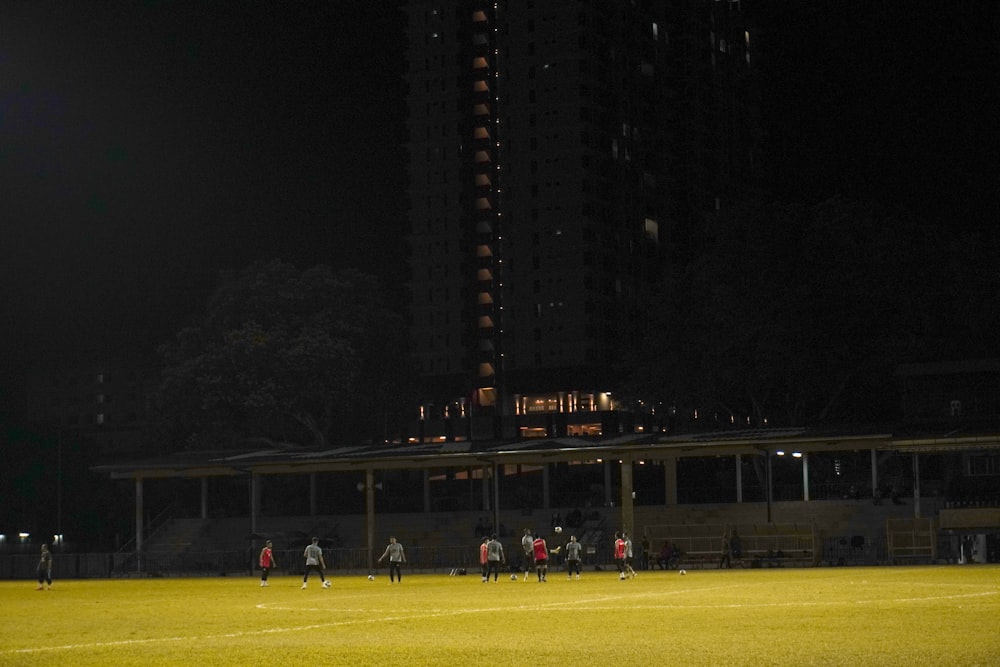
x,y
371,577
558,529
513,577
683,572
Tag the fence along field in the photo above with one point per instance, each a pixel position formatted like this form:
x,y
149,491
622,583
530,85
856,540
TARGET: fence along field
x,y
811,616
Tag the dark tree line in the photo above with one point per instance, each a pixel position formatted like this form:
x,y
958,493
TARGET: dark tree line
x,y
794,314
307,357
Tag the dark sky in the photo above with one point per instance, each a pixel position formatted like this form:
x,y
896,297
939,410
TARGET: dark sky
x,y
885,101
145,145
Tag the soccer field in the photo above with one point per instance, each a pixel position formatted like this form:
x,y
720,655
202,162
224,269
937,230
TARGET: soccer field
x,y
943,615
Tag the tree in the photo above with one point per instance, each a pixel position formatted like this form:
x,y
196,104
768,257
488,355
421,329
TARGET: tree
x,y
796,314
285,357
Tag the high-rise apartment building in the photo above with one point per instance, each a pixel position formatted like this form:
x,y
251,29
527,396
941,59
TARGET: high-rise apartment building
x,y
102,405
558,149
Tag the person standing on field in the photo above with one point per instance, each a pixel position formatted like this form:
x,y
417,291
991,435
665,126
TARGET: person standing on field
x,y
45,569
526,547
573,550
629,570
494,558
483,559
541,552
620,555
394,552
266,562
314,563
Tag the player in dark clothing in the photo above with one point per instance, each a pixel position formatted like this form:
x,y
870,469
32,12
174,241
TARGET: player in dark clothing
x,y
45,569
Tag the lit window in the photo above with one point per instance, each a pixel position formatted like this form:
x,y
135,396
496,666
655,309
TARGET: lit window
x,y
651,228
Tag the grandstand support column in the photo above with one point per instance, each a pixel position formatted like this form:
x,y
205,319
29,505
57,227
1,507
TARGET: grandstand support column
x,y
769,491
739,478
874,473
138,523
805,476
255,485
312,494
485,471
427,491
670,480
496,496
546,488
916,485
370,514
204,498
628,495
608,502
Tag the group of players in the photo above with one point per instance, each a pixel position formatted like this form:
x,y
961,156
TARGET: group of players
x,y
535,555
314,562
491,558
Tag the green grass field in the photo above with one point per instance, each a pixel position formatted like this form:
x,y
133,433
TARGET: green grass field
x,y
946,615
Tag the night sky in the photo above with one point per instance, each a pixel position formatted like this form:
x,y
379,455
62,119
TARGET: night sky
x,y
144,146
147,145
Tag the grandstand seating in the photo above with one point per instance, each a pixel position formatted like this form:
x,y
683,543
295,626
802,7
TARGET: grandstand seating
x,y
807,533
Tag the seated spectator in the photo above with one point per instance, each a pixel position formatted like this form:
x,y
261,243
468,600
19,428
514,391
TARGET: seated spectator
x,y
667,558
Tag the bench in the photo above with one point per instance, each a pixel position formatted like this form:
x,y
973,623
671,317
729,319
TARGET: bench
x,y
701,544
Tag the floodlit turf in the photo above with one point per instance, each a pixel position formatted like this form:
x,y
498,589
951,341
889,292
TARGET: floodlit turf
x,y
946,615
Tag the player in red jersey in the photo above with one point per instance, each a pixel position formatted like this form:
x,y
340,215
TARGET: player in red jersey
x,y
266,562
483,558
541,554
620,555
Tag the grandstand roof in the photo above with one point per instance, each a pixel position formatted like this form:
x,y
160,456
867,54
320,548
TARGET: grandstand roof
x,y
276,458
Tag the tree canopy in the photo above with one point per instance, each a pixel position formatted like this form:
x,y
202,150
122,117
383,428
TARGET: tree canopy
x,y
284,356
795,314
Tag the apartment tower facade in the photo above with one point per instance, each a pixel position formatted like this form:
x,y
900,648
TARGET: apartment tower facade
x,y
556,150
